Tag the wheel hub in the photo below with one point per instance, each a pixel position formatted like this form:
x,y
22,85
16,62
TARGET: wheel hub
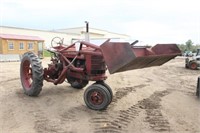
x,y
193,66
96,98
27,74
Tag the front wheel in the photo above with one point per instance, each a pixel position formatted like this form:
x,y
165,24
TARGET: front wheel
x,y
97,97
31,74
193,65
107,87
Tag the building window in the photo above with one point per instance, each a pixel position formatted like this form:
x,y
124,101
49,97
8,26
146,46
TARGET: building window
x,y
30,45
21,45
10,46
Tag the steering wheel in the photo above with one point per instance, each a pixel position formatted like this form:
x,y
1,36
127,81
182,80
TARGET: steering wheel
x,y
56,41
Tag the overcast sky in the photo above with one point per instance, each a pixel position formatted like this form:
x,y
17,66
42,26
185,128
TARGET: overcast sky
x,y
150,21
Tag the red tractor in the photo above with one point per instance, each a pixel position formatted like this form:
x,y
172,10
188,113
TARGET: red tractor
x,y
82,62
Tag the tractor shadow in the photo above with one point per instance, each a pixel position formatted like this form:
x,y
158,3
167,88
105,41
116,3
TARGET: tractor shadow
x,y
52,91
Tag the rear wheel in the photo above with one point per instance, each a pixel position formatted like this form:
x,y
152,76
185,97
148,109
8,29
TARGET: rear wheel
x,y
193,65
186,66
31,74
187,61
97,97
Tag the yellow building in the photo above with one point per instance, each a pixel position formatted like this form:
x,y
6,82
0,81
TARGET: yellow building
x,y
19,44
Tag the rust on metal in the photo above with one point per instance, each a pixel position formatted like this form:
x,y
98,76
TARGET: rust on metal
x,y
121,57
82,62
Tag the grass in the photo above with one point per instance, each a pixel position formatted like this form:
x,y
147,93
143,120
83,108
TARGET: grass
x,y
46,53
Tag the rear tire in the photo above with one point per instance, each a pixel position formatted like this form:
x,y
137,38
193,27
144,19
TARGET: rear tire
x,y
97,97
31,74
187,62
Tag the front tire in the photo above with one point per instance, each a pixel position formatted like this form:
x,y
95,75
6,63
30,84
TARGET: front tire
x,y
193,65
31,74
97,97
107,87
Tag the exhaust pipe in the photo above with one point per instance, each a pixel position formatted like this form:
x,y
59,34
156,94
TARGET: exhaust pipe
x,y
87,37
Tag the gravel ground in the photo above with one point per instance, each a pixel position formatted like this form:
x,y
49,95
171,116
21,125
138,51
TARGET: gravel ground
x,y
156,99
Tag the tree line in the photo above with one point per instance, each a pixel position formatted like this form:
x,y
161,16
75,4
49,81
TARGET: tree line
x,y
189,46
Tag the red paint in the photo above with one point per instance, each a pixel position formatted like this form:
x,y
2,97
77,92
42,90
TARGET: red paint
x,y
90,62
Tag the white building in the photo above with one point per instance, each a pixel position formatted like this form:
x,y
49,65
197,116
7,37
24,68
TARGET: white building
x,y
69,34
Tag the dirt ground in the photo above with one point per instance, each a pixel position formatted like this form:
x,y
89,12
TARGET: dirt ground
x,y
157,99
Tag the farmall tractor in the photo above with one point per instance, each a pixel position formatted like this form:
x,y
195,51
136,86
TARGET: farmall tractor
x,y
82,62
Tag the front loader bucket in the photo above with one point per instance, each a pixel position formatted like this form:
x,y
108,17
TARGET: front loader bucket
x,y
121,57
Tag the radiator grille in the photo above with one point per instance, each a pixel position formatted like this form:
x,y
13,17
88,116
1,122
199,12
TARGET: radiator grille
x,y
97,65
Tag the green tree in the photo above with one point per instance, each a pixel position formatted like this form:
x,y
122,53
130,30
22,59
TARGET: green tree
x,y
189,45
182,47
